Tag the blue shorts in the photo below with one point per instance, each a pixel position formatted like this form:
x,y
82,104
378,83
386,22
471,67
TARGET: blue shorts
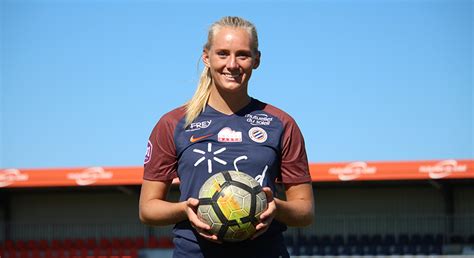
x,y
260,248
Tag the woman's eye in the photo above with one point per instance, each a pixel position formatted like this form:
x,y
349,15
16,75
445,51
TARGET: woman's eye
x,y
221,53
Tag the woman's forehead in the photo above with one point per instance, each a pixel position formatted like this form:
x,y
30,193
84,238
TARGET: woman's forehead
x,y
229,37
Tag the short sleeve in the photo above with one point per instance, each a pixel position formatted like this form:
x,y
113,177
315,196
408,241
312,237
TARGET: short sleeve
x,y
294,161
160,159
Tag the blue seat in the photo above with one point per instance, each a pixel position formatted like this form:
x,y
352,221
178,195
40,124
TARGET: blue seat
x,y
403,239
352,240
376,239
389,239
338,240
428,239
415,239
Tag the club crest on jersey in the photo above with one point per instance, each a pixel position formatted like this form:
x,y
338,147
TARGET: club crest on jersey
x,y
258,135
226,134
198,125
258,119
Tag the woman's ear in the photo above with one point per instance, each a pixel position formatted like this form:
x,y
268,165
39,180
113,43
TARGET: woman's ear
x,y
257,60
205,57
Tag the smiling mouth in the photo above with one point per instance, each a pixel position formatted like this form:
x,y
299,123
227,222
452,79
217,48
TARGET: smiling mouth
x,y
231,76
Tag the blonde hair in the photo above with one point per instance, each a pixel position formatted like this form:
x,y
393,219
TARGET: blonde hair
x,y
198,102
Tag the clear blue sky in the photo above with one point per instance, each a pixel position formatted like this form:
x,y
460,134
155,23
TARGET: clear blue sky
x,y
84,82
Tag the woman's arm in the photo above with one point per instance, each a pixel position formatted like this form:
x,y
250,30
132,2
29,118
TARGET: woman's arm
x,y
155,210
298,209
153,207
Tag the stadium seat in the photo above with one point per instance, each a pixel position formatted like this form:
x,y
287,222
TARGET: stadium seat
x,y
397,250
128,243
56,244
78,243
9,244
415,239
338,240
20,245
24,253
428,239
43,244
152,242
116,243
325,240
384,250
403,239
470,240
90,243
352,240
376,239
314,240
139,242
456,239
439,239
364,239
104,243
165,242
389,240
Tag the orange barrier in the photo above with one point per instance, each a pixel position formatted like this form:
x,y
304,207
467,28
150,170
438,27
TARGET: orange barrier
x,y
320,172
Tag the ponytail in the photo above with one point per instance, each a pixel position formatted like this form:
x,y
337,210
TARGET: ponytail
x,y
198,102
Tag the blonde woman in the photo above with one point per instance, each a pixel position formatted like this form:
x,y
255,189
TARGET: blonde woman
x,y
223,128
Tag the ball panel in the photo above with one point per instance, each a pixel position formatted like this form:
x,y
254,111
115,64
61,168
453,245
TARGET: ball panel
x,y
211,186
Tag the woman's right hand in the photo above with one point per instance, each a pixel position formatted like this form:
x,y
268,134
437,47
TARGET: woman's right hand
x,y
201,227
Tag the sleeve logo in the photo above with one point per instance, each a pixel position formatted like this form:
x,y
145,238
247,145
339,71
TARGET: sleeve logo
x,y
149,149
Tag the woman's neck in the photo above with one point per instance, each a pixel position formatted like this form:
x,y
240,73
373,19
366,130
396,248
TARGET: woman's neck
x,y
228,102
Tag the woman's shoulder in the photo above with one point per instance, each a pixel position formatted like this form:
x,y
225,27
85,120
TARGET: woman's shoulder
x,y
174,115
275,111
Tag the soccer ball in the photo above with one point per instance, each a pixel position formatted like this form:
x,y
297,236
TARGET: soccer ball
x,y
231,202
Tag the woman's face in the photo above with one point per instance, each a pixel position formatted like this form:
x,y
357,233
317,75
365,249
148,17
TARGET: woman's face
x,y
231,59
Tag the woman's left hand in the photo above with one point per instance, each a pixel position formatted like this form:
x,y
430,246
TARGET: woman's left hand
x,y
267,216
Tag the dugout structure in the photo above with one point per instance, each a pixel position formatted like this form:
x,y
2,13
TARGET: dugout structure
x,y
357,204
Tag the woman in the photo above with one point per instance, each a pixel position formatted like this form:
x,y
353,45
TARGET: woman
x,y
223,128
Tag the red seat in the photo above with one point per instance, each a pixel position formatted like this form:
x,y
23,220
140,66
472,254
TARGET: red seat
x,y
67,243
153,242
24,253
105,243
43,244
139,243
9,245
165,242
91,243
78,243
116,243
128,243
20,245
56,244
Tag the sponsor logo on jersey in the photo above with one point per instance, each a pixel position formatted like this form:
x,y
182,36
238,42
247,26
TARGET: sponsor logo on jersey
x,y
10,176
352,170
226,134
149,149
196,139
90,175
258,119
198,125
258,135
443,169
210,153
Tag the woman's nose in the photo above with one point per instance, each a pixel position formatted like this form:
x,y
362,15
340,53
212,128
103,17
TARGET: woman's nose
x,y
232,63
